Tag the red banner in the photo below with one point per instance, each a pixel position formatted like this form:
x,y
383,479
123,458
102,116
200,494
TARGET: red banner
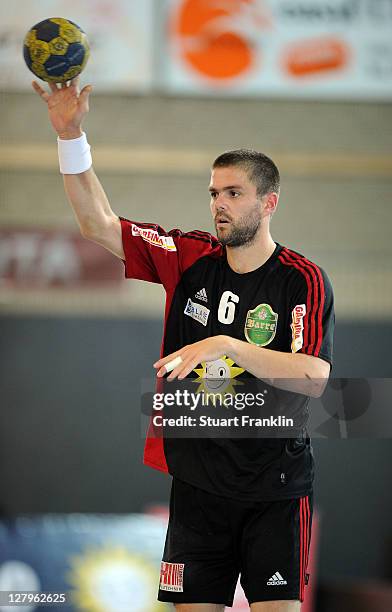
x,y
34,257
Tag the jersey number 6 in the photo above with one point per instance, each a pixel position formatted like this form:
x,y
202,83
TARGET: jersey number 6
x,y
226,310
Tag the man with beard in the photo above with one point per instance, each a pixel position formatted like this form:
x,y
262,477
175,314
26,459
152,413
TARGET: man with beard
x,y
242,304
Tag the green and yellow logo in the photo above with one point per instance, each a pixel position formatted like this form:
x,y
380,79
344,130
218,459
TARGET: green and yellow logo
x,y
260,325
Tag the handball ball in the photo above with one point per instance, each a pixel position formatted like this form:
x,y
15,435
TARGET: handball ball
x,y
56,50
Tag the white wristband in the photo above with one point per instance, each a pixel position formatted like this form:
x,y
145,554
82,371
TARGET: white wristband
x,y
74,155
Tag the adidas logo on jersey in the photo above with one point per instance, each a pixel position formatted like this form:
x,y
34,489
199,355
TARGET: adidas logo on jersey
x,y
202,295
276,580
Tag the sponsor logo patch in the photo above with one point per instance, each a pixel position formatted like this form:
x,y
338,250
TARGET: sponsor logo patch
x,y
297,327
276,580
172,577
152,237
260,325
202,295
197,312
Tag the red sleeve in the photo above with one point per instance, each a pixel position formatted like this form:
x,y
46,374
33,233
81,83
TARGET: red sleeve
x,y
154,255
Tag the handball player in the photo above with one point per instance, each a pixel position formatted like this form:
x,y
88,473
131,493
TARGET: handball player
x,y
237,507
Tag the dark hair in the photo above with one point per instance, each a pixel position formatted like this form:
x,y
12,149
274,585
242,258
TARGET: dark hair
x,y
261,169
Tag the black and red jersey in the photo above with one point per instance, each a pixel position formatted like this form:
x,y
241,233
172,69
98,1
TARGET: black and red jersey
x,y
285,305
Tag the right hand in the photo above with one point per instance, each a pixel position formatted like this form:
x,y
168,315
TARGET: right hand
x,y
67,106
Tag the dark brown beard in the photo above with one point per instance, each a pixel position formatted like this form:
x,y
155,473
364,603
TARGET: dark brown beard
x,y
244,231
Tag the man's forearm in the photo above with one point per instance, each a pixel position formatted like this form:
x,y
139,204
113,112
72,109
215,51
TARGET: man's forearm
x,y
292,371
67,109
88,200
300,373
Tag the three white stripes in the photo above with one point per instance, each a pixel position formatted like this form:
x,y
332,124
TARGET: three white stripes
x,y
276,579
202,295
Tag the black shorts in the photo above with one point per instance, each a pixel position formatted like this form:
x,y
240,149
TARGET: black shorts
x,y
210,540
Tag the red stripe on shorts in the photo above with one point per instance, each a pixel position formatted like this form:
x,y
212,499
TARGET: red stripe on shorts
x,y
304,530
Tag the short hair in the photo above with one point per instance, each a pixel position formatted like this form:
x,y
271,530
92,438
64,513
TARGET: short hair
x,y
261,169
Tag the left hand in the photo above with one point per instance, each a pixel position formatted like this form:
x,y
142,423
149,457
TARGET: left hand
x,y
208,349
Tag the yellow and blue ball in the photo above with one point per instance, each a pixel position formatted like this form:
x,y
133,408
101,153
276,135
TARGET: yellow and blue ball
x,y
56,50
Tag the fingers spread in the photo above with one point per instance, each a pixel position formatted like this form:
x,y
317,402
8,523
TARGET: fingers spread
x,y
41,92
37,87
86,91
76,81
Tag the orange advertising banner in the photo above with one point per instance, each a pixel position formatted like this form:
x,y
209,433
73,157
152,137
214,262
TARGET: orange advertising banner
x,y
287,48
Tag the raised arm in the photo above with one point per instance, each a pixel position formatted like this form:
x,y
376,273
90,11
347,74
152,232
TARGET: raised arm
x,y
67,107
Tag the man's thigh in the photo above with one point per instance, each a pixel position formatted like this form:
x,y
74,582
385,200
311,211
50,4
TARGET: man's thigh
x,y
275,544
199,563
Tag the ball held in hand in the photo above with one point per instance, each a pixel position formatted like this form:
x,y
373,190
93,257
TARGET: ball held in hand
x,y
56,50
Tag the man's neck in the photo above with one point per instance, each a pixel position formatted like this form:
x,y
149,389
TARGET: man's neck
x,y
250,257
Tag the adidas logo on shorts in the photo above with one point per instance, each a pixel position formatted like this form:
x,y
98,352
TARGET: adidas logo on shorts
x,y
202,295
276,580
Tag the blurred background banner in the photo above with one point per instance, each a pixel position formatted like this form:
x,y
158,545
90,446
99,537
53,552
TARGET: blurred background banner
x,y
102,563
121,29
325,49
294,48
39,258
